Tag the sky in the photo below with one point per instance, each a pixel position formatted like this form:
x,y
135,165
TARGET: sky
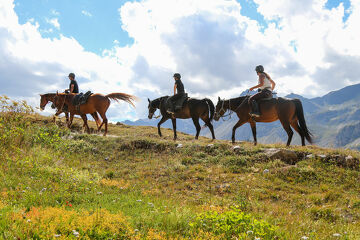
x,y
309,47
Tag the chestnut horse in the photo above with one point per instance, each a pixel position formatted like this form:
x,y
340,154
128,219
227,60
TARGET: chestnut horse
x,y
288,111
50,97
95,103
193,108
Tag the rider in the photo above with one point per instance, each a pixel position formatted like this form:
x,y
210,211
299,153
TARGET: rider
x,y
266,85
179,87
73,86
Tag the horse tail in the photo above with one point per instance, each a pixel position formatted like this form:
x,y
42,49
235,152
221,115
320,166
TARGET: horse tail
x,y
211,108
122,96
300,115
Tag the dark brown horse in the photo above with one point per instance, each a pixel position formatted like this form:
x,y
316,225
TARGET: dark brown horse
x,y
288,111
193,108
95,103
50,97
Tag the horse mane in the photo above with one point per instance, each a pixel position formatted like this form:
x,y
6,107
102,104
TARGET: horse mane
x,y
238,100
157,101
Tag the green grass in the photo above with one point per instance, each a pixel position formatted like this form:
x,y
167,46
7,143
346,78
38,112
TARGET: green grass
x,y
159,191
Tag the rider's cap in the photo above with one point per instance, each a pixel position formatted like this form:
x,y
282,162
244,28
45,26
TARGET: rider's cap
x,y
259,68
177,75
71,75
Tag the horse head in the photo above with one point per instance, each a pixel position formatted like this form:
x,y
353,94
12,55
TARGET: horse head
x,y
45,99
152,108
220,109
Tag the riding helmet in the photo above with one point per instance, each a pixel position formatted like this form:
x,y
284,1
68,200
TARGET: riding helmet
x,y
177,75
71,75
259,68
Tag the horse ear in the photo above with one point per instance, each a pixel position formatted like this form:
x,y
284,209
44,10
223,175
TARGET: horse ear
x,y
57,93
219,99
149,100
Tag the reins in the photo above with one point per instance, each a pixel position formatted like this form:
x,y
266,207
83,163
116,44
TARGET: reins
x,y
62,106
231,111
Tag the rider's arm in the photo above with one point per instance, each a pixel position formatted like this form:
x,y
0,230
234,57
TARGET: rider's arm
x,y
174,88
72,88
272,84
261,80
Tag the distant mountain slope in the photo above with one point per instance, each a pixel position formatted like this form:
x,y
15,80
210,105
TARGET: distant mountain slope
x,y
333,118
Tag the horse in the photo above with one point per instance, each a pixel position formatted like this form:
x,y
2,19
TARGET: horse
x,y
96,103
193,108
50,97
288,111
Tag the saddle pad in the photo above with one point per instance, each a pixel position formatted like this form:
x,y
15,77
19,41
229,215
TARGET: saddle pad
x,y
81,98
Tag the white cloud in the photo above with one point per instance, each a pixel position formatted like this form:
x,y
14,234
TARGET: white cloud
x,y
54,22
54,12
214,48
86,13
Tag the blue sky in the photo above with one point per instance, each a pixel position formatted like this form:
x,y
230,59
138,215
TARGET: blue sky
x,y
97,25
307,46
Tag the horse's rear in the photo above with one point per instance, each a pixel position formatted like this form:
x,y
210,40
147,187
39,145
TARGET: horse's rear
x,y
289,112
97,102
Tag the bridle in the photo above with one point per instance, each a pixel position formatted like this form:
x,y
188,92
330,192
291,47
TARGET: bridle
x,y
231,111
223,109
156,117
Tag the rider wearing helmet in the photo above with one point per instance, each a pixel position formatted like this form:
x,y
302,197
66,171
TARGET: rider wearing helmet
x,y
265,87
73,86
179,93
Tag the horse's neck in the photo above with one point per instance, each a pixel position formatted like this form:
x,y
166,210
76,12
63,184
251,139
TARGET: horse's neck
x,y
156,103
50,96
235,102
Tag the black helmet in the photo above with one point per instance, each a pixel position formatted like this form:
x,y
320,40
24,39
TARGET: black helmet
x,y
71,75
177,75
259,68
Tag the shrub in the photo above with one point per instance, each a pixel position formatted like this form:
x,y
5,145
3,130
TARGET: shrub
x,y
234,224
46,223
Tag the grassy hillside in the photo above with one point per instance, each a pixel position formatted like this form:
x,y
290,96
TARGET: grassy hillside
x,y
61,184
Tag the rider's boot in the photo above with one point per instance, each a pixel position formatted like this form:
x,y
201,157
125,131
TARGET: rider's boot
x,y
254,109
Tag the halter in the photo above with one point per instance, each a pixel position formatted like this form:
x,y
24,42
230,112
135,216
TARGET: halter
x,y
222,108
231,111
156,117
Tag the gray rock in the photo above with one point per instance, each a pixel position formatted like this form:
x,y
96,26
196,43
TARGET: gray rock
x,y
285,155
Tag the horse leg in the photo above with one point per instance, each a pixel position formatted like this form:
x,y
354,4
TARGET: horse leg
x,y
297,128
163,119
238,124
84,118
253,129
66,116
197,125
105,121
174,127
96,118
289,131
71,120
209,125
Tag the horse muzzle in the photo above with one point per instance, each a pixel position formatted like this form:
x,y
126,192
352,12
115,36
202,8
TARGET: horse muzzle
x,y
150,115
42,108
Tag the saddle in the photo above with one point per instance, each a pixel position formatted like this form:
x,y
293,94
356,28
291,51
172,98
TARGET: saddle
x,y
181,102
80,99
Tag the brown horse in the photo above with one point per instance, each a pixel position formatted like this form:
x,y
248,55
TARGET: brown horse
x,y
193,108
50,97
95,103
288,111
